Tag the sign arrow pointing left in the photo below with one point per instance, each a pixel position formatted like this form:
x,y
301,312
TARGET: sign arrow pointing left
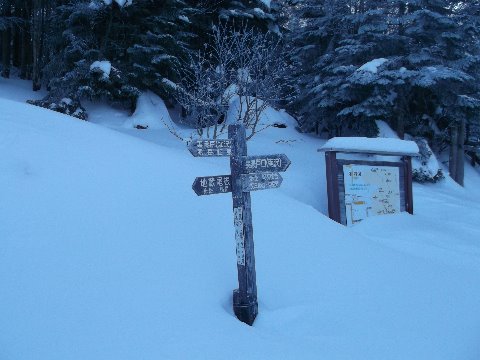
x,y
211,147
209,185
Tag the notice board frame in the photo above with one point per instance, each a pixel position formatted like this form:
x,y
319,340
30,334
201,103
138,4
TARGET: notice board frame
x,y
336,187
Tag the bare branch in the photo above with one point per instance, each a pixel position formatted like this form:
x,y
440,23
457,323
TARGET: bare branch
x,y
240,63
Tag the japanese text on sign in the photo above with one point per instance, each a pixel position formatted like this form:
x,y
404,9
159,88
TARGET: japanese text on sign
x,y
239,235
267,163
261,181
370,191
211,147
263,163
209,185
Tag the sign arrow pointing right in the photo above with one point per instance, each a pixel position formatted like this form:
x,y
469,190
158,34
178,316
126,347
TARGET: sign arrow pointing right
x,y
267,163
261,181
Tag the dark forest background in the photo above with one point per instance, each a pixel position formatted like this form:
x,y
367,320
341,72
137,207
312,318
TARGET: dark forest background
x,y
425,84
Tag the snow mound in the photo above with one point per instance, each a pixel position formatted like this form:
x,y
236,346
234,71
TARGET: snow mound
x,y
425,167
150,113
385,131
267,117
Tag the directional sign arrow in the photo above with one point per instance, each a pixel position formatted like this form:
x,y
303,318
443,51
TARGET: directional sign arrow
x,y
266,163
211,147
209,185
261,181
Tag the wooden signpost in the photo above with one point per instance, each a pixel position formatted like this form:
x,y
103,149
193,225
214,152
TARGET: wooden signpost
x,y
248,173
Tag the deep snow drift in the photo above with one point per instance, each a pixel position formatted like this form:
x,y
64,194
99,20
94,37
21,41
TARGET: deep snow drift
x,y
107,253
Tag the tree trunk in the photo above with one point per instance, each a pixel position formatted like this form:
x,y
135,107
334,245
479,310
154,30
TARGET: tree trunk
x,y
37,29
400,113
107,32
23,54
25,44
6,44
460,153
6,53
16,42
401,126
16,38
452,163
457,152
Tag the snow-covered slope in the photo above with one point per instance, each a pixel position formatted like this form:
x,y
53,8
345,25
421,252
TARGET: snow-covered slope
x,y
107,253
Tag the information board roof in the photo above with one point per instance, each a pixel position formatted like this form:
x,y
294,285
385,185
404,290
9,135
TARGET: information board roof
x,y
381,146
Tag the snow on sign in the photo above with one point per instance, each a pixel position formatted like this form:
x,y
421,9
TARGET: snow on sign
x,y
370,191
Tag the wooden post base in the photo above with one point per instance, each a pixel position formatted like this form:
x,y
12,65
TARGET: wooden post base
x,y
245,312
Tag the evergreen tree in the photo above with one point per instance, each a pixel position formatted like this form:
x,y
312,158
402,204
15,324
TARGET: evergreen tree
x,y
445,66
80,35
335,38
136,42
263,15
13,26
144,43
161,40
413,64
417,48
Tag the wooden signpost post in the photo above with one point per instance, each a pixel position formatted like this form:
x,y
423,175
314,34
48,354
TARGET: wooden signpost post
x,y
248,173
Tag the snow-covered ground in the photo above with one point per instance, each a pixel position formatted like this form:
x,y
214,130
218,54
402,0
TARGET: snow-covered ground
x,y
107,253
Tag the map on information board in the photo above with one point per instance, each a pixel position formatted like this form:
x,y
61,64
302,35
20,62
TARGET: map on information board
x,y
370,191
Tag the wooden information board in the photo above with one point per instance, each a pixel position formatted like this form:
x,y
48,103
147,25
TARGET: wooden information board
x,y
370,191
358,189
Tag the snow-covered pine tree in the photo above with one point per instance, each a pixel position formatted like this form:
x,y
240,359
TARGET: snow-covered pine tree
x,y
22,35
6,33
413,64
14,22
471,16
81,34
161,40
307,42
262,15
444,63
333,40
138,43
